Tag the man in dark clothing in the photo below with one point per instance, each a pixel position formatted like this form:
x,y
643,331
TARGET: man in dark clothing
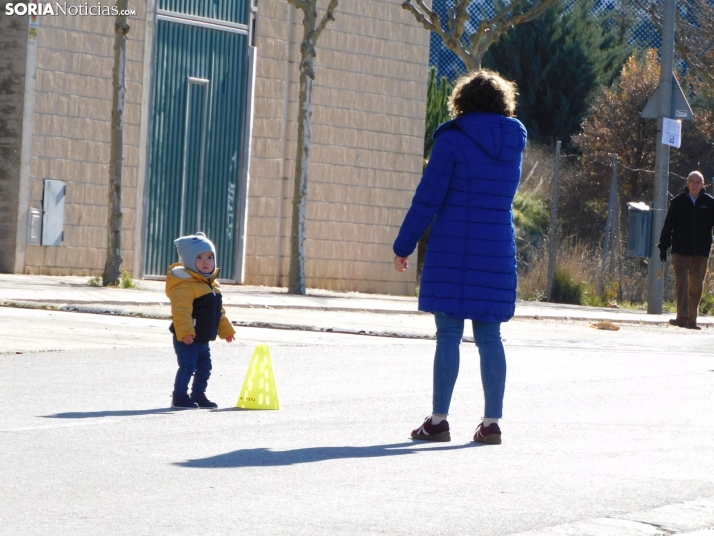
x,y
688,229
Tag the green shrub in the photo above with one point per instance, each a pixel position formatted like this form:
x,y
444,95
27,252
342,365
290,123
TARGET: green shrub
x,y
531,216
437,109
125,281
592,299
706,306
634,306
566,289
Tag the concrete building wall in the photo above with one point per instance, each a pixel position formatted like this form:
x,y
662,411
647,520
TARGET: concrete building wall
x,y
368,126
72,121
13,57
367,132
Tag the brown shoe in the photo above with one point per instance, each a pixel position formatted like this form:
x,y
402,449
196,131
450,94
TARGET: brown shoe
x,y
693,325
679,323
490,435
432,432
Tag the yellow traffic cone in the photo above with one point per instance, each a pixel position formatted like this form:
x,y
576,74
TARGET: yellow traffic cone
x,y
259,389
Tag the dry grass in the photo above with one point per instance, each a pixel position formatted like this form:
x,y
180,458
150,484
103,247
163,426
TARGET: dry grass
x,y
577,265
581,266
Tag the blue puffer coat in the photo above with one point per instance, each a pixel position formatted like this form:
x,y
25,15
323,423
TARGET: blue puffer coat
x,y
469,185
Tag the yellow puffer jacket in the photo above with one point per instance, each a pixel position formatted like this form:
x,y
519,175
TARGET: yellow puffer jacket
x,y
196,305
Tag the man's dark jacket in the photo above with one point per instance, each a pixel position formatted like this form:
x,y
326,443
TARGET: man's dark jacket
x,y
688,226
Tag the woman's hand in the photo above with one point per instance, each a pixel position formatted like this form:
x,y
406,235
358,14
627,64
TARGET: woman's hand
x,y
188,339
400,263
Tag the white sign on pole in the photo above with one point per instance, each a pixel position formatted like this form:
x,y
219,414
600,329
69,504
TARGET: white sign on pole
x,y
672,132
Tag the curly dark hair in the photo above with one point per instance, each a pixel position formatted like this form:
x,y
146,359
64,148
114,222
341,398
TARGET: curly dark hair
x,y
483,91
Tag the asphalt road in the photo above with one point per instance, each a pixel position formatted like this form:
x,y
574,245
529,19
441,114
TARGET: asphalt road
x,y
604,433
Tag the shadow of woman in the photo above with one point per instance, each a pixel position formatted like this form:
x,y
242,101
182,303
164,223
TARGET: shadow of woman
x,y
118,413
263,457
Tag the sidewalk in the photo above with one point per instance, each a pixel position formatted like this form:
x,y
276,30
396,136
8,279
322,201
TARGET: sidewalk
x,y
150,300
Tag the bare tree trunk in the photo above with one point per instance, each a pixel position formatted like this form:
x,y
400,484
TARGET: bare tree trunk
x,y
311,32
296,284
112,267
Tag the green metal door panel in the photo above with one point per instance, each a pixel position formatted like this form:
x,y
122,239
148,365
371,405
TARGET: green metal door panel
x,y
224,147
200,81
193,153
225,157
235,11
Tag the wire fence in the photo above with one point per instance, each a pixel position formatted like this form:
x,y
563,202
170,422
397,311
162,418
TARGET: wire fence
x,y
641,33
601,270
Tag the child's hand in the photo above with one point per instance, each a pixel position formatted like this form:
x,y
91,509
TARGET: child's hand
x,y
188,339
230,338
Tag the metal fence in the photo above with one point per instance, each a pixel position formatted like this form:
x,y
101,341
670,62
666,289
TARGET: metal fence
x,y
643,33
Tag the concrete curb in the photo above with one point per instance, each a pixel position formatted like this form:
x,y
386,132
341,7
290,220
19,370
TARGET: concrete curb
x,y
266,325
71,308
84,307
574,316
165,303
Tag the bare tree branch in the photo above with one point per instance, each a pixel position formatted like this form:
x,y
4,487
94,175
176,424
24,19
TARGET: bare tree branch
x,y
472,50
300,4
426,17
458,19
702,69
432,23
429,19
490,31
327,17
693,40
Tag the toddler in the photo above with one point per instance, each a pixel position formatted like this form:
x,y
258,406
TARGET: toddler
x,y
198,317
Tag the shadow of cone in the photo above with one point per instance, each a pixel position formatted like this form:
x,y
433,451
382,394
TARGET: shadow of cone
x,y
259,390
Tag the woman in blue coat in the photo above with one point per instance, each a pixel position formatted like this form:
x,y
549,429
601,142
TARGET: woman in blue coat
x,y
470,269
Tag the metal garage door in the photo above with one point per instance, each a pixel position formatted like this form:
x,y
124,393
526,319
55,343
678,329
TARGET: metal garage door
x,y
199,137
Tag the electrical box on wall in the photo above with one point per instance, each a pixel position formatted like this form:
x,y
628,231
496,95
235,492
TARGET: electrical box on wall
x,y
639,230
34,226
53,216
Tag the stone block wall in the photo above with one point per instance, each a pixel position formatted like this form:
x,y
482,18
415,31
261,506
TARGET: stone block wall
x,y
13,56
71,138
367,133
368,126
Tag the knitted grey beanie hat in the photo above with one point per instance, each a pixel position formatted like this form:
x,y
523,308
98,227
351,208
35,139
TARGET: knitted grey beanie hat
x,y
189,247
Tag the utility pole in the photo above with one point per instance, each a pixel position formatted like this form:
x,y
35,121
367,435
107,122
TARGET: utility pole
x,y
655,293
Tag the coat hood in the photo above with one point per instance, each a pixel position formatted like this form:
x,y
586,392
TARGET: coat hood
x,y
501,137
178,273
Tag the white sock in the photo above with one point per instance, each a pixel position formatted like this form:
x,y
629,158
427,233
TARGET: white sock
x,y
436,418
489,422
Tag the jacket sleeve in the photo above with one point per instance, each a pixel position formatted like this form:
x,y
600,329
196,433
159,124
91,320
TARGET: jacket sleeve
x,y
428,198
181,310
225,328
665,237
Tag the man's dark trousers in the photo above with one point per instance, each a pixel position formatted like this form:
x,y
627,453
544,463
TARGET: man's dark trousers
x,y
689,272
